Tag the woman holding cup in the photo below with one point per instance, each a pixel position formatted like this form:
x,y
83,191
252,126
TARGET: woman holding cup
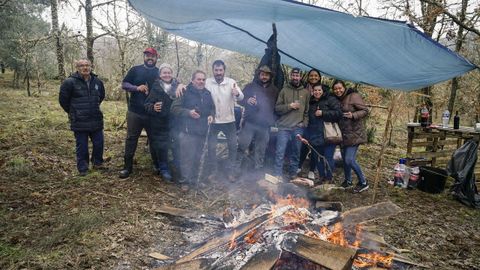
x,y
323,107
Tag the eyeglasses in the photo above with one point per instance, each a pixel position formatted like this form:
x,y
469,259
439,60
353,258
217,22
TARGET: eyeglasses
x,y
84,65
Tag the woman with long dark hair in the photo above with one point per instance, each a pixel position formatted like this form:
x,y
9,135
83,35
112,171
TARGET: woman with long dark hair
x,y
353,132
313,77
323,107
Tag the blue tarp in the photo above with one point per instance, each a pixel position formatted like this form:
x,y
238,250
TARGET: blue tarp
x,y
385,53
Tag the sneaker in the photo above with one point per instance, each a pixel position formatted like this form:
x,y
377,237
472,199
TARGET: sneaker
x,y
360,188
311,175
346,184
124,173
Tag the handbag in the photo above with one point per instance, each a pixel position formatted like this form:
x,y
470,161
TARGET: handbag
x,y
332,133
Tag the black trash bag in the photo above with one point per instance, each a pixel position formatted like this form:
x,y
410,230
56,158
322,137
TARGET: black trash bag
x,y
462,168
267,60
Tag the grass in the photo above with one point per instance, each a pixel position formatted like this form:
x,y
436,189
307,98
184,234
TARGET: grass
x,y
52,219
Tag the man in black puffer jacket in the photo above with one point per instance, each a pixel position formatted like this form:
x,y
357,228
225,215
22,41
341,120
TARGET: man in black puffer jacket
x,y
80,97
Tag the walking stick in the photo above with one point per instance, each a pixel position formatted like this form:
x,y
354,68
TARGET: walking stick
x,y
202,159
307,143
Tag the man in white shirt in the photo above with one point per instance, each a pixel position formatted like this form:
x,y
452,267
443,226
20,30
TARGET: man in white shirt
x,y
225,93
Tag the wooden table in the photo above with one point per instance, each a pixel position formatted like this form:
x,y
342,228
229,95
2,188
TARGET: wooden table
x,y
435,145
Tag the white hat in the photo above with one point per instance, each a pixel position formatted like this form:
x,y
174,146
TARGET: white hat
x,y
165,65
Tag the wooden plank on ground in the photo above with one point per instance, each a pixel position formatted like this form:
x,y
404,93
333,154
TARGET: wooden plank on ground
x,y
321,252
159,256
198,264
367,213
173,211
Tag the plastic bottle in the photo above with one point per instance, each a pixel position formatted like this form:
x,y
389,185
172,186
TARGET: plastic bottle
x,y
445,118
456,121
398,179
414,177
424,115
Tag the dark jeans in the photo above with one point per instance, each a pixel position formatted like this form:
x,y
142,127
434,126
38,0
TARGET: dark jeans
x,y
325,166
283,137
135,124
190,155
159,144
230,131
175,147
81,139
349,154
248,133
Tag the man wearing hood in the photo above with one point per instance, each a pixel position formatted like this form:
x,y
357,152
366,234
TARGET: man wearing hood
x,y
292,109
80,97
259,103
137,82
195,111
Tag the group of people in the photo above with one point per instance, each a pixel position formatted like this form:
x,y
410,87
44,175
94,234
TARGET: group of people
x,y
187,119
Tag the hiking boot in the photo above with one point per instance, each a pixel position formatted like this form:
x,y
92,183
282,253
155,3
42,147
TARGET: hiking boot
x,y
311,175
360,188
82,173
125,173
346,184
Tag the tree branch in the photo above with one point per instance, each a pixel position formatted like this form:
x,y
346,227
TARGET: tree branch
x,y
104,3
101,35
453,17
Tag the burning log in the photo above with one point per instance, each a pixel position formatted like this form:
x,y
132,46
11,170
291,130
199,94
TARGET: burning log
x,y
263,260
329,255
224,238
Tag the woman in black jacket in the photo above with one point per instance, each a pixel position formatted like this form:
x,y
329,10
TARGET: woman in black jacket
x,y
323,108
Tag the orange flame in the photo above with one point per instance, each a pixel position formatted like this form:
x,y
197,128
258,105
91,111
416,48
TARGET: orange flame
x,y
233,243
373,259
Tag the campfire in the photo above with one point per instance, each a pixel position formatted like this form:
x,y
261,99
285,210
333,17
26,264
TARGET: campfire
x,y
290,234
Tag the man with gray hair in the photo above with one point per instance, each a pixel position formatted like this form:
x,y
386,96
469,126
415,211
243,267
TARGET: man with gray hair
x,y
80,96
195,111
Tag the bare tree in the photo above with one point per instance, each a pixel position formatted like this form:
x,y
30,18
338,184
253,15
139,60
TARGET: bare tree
x,y
58,41
88,6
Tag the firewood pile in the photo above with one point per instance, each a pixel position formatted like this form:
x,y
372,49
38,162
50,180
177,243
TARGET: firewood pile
x,y
291,234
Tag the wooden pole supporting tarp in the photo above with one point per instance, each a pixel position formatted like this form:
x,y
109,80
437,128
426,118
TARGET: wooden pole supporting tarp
x,y
388,125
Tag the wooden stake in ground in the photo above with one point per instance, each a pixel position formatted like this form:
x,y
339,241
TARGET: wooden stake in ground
x,y
384,144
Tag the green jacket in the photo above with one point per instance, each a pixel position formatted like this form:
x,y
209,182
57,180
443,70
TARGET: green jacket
x,y
290,118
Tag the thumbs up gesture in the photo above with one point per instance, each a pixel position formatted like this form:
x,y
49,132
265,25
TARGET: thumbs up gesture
x,y
235,90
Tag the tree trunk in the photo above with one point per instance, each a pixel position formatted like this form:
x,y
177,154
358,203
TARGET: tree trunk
x,y
458,47
89,22
58,41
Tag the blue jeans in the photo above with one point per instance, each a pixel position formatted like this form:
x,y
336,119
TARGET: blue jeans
x,y
349,154
283,137
325,166
81,139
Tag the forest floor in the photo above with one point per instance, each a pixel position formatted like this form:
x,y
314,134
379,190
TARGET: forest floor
x,y
50,218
